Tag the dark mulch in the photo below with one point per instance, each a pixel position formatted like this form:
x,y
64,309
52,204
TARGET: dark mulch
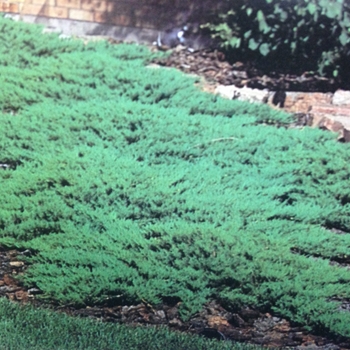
x,y
219,68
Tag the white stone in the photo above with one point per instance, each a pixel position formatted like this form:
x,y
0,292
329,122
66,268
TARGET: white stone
x,y
341,97
242,94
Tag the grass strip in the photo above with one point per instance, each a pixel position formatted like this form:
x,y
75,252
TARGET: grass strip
x,y
29,328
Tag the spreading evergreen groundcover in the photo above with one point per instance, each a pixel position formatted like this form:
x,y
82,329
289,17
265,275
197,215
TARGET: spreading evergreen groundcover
x,y
130,184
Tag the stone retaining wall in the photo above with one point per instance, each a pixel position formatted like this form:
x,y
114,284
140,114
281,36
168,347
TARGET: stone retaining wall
x,y
323,110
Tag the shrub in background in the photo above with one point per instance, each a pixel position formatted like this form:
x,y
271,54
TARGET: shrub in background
x,y
313,34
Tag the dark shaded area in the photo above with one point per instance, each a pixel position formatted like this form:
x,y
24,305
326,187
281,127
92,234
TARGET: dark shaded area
x,y
340,260
160,15
279,98
286,40
167,18
217,67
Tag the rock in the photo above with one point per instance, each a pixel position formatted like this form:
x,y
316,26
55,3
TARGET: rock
x,y
9,280
301,102
319,108
26,252
239,74
160,314
13,253
179,48
264,324
341,97
216,321
283,326
175,322
16,263
158,317
34,291
242,94
225,90
11,296
327,123
298,336
330,124
303,119
21,295
8,289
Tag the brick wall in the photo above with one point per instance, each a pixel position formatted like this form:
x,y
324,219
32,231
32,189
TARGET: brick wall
x,y
152,14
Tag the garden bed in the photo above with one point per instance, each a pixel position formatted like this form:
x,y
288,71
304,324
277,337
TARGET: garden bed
x,y
132,190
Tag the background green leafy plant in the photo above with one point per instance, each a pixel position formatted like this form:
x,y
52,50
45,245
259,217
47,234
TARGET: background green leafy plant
x,y
310,34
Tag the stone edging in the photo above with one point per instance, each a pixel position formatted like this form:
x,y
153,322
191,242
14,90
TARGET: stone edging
x,y
330,111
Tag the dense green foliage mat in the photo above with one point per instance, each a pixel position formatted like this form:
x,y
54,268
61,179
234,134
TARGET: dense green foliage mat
x,y
130,184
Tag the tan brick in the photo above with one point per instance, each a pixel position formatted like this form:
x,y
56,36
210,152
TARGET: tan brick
x,y
68,3
43,10
56,12
32,9
44,2
95,5
9,7
147,22
122,20
145,11
118,20
81,15
101,17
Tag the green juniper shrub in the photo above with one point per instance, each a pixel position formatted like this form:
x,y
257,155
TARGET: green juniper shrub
x,y
130,184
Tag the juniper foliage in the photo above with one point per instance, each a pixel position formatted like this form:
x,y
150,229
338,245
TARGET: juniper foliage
x,y
131,184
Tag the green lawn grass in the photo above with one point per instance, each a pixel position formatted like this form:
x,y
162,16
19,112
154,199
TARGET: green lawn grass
x,y
29,328
130,184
